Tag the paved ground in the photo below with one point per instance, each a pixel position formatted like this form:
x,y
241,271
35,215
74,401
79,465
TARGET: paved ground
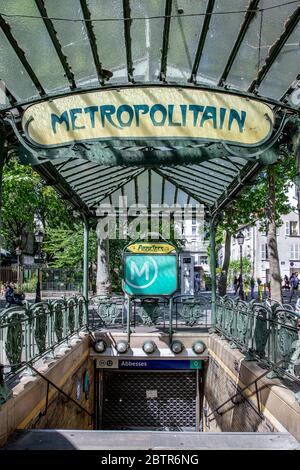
x,y
205,294
148,440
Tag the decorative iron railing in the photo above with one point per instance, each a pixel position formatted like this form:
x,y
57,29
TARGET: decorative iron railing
x,y
29,331
269,333
111,311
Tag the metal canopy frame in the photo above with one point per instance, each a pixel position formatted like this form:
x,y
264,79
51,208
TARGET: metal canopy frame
x,y
212,182
170,14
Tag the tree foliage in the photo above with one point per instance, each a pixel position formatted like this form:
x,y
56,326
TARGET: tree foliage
x,y
26,198
64,246
250,206
253,205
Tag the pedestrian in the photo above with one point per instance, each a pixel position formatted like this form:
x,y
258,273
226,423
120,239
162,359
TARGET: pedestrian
x,y
235,284
286,282
197,282
9,295
240,288
3,289
294,282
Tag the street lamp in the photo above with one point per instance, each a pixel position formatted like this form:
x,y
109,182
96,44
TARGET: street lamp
x,y
39,236
18,253
240,239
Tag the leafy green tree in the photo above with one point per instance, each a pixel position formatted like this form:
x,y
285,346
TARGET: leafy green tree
x,y
266,200
64,246
25,198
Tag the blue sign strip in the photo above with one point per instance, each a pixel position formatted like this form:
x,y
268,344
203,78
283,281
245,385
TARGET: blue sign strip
x,y
157,364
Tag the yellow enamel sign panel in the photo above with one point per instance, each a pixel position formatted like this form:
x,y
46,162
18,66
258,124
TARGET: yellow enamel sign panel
x,y
151,248
148,112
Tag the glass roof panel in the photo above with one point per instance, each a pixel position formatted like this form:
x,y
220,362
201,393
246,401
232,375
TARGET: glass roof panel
x,y
193,202
130,193
143,188
196,178
146,38
156,188
115,197
110,37
223,31
13,74
184,36
73,39
32,37
284,70
181,197
213,171
263,31
169,193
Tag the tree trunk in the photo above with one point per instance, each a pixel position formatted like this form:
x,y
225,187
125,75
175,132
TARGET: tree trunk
x,y
3,154
296,149
103,273
272,239
222,286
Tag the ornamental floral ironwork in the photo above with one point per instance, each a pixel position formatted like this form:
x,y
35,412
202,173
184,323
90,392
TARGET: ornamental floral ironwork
x,y
29,331
268,333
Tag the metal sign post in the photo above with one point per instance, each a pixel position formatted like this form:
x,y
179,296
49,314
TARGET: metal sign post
x,y
150,269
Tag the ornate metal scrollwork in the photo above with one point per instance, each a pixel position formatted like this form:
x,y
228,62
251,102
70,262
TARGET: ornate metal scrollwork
x,y
12,323
80,306
108,311
266,332
71,304
39,314
191,311
261,329
58,308
149,312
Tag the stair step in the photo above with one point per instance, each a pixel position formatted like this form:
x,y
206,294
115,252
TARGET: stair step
x,y
56,439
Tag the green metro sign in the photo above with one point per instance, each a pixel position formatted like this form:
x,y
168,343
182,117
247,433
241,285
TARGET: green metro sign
x,y
151,273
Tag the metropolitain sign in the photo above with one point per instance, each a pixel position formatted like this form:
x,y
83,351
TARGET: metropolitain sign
x,y
148,113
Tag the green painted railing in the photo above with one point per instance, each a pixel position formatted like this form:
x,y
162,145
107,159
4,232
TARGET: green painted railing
x,y
268,333
27,332
190,311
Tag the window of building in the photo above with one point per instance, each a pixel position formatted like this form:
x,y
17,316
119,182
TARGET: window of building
x,y
294,253
203,259
194,218
264,251
194,230
291,228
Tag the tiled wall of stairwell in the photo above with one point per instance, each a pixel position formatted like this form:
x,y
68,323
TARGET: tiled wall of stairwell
x,y
240,417
62,413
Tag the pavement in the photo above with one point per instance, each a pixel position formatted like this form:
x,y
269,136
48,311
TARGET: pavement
x,y
52,439
52,295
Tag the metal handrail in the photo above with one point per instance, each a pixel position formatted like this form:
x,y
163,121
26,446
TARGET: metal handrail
x,y
58,389
240,392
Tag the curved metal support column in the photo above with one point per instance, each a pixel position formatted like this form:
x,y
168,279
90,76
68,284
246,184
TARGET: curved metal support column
x,y
213,225
86,259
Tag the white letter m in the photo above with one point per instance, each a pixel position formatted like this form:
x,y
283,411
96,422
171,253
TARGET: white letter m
x,y
134,269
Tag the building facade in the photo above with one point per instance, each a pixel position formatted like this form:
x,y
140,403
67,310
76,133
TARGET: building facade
x,y
255,247
194,263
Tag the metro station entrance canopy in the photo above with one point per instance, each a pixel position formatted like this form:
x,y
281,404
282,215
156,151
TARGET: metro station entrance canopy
x,y
136,96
